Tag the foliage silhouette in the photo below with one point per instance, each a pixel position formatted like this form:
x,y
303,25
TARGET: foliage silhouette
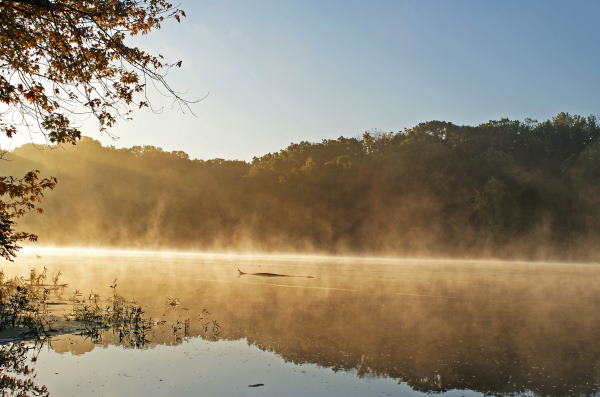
x,y
17,376
19,196
60,59
27,325
506,188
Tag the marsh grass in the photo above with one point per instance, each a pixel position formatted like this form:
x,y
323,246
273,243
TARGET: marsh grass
x,y
27,324
25,313
210,328
23,304
124,318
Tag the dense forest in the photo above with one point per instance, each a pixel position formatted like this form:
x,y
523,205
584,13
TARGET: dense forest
x,y
504,188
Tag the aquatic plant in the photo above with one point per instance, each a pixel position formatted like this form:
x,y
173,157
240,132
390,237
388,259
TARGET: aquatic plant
x,y
210,327
181,329
124,318
22,303
29,324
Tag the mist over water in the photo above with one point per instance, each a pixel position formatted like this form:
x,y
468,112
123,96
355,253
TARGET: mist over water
x,y
441,259
503,189
356,306
500,328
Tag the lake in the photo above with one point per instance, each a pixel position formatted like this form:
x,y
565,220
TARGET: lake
x,y
358,327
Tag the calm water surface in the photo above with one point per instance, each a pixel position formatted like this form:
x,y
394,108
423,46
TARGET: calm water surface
x,y
358,328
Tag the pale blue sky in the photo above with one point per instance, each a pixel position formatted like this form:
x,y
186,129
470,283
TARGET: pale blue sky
x,y
283,71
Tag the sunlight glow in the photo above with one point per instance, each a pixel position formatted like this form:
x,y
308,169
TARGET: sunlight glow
x,y
270,256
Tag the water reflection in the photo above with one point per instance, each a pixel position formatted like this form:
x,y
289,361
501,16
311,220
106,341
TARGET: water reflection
x,y
17,376
499,329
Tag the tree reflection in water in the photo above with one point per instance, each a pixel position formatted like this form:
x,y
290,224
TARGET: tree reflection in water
x,y
29,324
17,375
494,328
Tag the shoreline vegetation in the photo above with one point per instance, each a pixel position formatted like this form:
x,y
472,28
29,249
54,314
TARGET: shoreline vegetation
x,y
503,189
37,309
33,311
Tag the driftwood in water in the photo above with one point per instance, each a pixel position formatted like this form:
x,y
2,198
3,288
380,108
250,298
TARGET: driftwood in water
x,y
241,273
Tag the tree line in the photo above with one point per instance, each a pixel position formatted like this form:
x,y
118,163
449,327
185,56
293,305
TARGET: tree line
x,y
503,188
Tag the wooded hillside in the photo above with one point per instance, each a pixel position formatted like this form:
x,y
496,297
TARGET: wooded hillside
x,y
504,188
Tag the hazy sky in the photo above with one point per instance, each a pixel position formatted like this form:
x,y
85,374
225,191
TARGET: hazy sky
x,y
283,71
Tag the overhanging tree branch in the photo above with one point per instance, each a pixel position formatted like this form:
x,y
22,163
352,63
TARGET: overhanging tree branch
x,y
61,59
